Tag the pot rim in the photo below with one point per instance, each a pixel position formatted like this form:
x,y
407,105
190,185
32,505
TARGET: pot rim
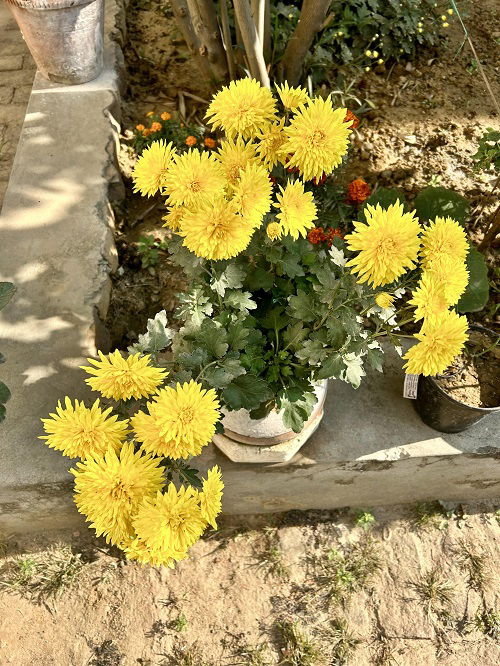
x,y
44,5
474,408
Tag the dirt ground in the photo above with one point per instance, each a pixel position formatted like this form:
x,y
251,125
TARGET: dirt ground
x,y
428,117
404,586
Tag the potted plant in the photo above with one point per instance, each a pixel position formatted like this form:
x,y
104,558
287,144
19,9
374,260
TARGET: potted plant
x,y
468,390
65,37
277,303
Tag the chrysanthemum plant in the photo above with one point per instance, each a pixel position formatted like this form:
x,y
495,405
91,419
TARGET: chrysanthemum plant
x,y
270,310
275,305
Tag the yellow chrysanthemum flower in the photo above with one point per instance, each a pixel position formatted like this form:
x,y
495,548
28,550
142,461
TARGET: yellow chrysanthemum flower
x,y
194,177
173,218
243,107
297,210
428,298
170,523
151,168
252,194
317,138
136,550
215,230
109,490
180,421
443,237
291,98
211,496
384,299
387,244
441,339
124,378
452,274
270,142
235,155
274,230
80,432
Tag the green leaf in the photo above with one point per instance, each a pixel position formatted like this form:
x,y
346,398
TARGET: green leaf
x,y
7,290
213,338
2,412
275,319
312,351
295,414
477,292
375,358
252,359
263,410
294,335
157,337
246,392
354,369
4,393
439,201
383,196
333,366
291,266
302,307
194,306
220,377
237,335
240,300
260,279
230,278
196,359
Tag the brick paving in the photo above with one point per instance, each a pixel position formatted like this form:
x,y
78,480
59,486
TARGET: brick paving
x,y
17,70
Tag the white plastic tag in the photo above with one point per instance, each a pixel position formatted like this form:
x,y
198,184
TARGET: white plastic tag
x,y
410,387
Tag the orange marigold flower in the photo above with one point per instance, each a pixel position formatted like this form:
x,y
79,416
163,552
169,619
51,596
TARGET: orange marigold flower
x,y
150,113
166,115
140,128
332,233
358,190
316,235
156,127
191,140
146,132
209,142
350,116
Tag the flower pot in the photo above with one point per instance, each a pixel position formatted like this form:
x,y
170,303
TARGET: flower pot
x,y
65,37
268,439
439,410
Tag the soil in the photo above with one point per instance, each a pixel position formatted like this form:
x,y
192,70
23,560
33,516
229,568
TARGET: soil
x,y
474,379
424,591
424,130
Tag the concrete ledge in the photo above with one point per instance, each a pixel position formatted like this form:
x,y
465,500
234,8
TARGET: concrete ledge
x,y
57,246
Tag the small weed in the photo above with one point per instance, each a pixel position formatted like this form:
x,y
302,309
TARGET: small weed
x,y
43,576
365,519
497,516
344,642
343,573
384,654
180,623
106,654
429,514
298,649
184,655
271,557
253,655
149,249
474,565
435,592
488,623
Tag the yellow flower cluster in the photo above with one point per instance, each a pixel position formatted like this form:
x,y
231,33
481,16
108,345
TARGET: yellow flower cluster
x,y
120,484
390,243
217,200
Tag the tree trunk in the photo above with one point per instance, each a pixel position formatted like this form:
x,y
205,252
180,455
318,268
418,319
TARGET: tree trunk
x,y
183,19
226,33
311,18
204,20
251,41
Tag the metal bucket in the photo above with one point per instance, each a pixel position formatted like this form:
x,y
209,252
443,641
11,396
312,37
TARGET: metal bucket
x,y
65,37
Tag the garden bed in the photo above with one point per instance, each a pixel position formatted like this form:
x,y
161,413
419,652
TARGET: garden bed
x,y
423,130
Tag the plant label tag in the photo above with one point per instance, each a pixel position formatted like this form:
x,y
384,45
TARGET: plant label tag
x,y
410,387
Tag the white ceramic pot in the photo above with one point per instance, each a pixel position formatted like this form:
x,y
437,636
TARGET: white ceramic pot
x,y
270,430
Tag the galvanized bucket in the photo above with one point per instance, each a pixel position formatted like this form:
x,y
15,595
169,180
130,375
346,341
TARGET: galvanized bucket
x,y
65,37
